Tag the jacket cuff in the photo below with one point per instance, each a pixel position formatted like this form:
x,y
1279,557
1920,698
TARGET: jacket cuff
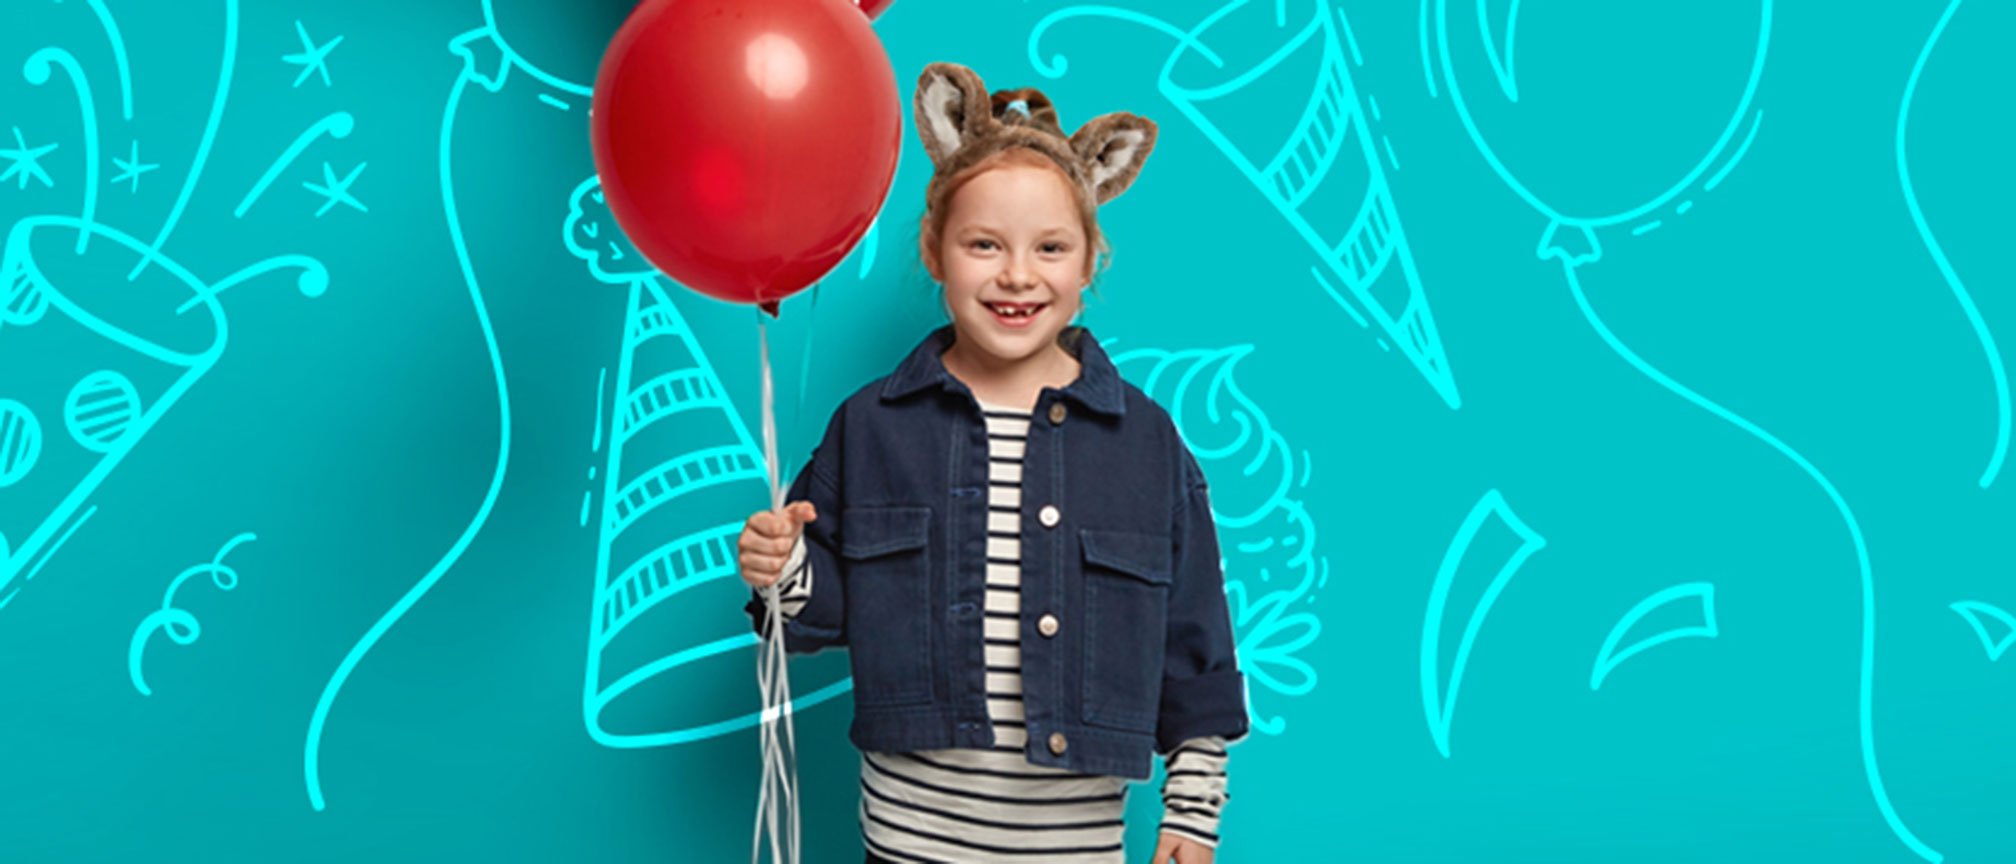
x,y
819,622
1211,703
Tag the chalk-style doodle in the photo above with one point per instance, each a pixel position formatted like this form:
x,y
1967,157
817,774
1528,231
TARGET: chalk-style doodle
x,y
1696,598
1573,241
657,544
1317,167
100,410
1995,626
105,411
181,626
1440,686
130,168
210,125
118,46
311,753
490,65
313,59
592,235
1574,237
24,162
1267,537
20,441
2000,449
40,70
337,125
336,191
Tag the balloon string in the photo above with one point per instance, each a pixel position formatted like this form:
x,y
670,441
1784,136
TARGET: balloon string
x,y
777,799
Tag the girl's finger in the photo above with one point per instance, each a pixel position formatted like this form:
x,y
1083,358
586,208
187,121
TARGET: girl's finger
x,y
761,563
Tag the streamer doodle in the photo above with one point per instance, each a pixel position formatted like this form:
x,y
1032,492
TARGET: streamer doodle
x,y
181,626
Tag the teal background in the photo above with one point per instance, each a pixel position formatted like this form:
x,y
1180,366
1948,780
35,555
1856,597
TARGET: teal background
x,y
357,433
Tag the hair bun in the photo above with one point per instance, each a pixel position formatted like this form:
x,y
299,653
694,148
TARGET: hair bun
x,y
1027,106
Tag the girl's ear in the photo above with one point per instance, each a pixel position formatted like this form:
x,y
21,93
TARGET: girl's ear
x,y
1114,146
952,108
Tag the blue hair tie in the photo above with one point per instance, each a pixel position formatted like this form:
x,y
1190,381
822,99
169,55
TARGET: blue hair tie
x,y
1021,105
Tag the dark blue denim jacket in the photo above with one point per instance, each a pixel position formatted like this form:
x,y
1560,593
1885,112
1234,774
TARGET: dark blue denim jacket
x,y
1143,655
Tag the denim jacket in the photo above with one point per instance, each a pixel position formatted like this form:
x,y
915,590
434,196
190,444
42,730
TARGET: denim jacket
x,y
1127,645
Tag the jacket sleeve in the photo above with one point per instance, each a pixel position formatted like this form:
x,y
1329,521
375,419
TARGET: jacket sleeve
x,y
821,621
1203,691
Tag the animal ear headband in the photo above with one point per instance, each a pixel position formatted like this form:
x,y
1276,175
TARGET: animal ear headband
x,y
961,124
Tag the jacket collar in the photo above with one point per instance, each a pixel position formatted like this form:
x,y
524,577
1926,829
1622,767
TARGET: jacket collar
x,y
1097,386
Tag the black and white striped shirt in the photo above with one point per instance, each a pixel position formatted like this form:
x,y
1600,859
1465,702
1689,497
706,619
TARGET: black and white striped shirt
x,y
970,804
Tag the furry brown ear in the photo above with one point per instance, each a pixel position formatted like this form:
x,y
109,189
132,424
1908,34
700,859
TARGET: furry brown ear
x,y
1114,146
952,108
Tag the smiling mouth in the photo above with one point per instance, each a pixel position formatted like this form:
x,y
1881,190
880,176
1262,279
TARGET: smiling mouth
x,y
1016,311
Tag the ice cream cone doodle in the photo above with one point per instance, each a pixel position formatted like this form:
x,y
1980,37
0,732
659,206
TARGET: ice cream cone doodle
x,y
1462,50
112,329
1320,168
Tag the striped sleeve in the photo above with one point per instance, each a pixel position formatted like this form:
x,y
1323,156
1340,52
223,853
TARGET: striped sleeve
x,y
796,586
1193,789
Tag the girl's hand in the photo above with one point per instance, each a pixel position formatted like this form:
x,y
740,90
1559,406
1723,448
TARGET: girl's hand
x,y
767,539
1183,849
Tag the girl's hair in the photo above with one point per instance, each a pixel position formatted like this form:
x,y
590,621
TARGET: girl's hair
x,y
931,227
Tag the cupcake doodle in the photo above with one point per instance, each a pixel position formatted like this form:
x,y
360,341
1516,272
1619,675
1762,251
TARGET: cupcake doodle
x,y
1273,570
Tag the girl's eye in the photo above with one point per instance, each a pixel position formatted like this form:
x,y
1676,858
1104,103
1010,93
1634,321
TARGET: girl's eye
x,y
1053,248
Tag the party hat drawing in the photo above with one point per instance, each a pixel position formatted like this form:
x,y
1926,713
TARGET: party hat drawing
x,y
680,460
102,361
1313,160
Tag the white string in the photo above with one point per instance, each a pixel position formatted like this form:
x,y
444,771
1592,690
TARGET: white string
x,y
777,801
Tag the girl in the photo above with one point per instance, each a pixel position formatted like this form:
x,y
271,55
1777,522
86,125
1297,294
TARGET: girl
x,y
1014,544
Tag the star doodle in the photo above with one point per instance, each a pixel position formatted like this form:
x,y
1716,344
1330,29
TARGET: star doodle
x,y
25,161
131,167
313,58
337,191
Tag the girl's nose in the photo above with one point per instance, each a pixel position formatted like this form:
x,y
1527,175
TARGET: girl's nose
x,y
1016,274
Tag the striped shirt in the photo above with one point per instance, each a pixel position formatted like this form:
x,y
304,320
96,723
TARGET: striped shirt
x,y
961,804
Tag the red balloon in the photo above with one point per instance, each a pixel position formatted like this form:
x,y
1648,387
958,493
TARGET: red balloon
x,y
745,145
873,8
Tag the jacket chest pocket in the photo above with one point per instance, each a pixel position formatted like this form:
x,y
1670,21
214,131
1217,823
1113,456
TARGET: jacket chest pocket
x,y
886,553
1126,578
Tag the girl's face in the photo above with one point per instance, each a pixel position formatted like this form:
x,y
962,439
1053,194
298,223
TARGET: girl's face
x,y
1013,260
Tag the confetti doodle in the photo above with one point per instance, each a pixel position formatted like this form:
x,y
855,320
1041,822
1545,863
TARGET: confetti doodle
x,y
1438,699
181,626
313,59
216,118
39,70
24,162
336,191
2000,449
1256,504
1995,626
118,45
337,125
130,168
1697,597
1316,166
